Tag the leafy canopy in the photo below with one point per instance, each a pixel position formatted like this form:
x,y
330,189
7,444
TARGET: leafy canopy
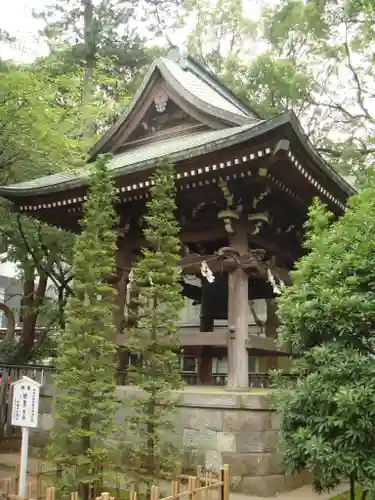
x,y
332,297
328,417
327,319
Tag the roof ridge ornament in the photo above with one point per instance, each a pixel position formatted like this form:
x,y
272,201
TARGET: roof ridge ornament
x,y
161,101
178,55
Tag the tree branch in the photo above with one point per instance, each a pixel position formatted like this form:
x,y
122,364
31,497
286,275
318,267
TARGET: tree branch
x,y
360,98
41,269
337,107
11,322
337,154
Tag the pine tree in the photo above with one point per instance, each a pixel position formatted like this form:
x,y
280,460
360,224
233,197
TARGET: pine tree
x,y
84,403
158,301
97,43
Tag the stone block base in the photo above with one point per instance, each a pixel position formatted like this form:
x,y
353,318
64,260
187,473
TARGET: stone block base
x,y
216,426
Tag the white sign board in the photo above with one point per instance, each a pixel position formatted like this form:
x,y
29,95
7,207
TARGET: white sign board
x,y
25,402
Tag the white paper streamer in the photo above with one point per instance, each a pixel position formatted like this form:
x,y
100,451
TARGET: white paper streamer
x,y
206,272
275,287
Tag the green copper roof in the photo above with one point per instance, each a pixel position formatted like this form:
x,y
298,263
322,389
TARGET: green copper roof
x,y
178,148
142,157
200,89
195,85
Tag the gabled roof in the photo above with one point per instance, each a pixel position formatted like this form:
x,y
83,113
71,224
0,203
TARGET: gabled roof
x,y
135,159
195,85
188,145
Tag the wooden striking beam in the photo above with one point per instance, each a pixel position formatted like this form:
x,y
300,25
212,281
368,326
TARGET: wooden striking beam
x,y
218,338
221,262
263,344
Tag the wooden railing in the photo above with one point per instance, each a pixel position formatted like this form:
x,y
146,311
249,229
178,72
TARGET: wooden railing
x,y
198,486
256,380
259,380
43,374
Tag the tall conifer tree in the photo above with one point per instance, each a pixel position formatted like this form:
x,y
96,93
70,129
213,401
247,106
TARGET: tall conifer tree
x,y
157,305
84,404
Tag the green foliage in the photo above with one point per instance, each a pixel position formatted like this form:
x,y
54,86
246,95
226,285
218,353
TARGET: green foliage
x,y
274,85
346,495
328,417
336,39
314,57
157,304
327,318
104,56
7,350
332,295
35,139
84,404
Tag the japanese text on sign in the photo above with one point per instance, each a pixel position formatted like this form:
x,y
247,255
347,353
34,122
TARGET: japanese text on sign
x,y
25,403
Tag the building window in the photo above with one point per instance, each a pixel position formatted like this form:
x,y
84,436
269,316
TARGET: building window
x,y
253,364
257,364
189,364
219,370
220,365
134,359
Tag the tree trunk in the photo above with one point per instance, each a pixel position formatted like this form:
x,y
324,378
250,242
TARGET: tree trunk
x,y
11,326
84,488
364,495
352,487
90,52
33,299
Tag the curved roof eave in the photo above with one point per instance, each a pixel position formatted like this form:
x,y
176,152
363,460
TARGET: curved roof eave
x,y
198,69
317,158
158,64
124,116
240,134
227,116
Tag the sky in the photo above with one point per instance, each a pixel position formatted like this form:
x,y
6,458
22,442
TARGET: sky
x,y
7,269
16,17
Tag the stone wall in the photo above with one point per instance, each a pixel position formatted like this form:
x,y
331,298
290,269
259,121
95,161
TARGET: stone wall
x,y
216,427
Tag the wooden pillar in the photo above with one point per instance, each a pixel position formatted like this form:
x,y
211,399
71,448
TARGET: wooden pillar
x,y
238,372
205,359
272,319
206,324
205,365
124,260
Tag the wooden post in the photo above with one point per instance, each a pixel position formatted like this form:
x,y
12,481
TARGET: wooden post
x,y
39,482
124,260
238,371
199,482
50,493
225,486
272,321
7,486
190,488
4,398
205,361
205,365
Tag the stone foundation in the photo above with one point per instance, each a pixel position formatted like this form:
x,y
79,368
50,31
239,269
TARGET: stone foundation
x,y
216,426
